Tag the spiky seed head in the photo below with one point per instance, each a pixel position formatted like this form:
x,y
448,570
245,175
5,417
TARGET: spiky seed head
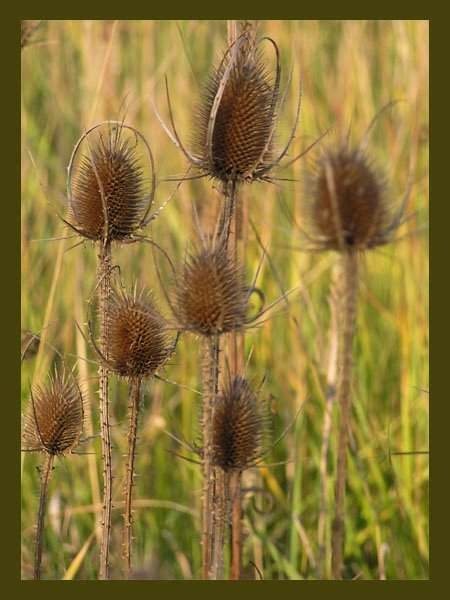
x,y
210,295
138,338
234,141
109,180
349,208
240,426
54,418
27,29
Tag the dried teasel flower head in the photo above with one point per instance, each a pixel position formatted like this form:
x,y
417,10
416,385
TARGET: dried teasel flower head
x,y
138,339
54,418
27,29
348,203
111,183
210,295
235,123
240,426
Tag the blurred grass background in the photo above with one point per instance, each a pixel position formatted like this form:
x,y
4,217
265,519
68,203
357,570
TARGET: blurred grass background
x,y
79,72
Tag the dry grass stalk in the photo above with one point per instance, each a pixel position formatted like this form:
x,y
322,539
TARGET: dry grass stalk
x,y
53,425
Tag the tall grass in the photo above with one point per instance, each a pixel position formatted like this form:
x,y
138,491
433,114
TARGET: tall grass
x,y
82,72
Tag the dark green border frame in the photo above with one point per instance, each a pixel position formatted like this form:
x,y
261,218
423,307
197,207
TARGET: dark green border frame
x,y
10,252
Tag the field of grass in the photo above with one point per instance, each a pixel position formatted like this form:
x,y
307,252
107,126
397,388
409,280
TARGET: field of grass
x,y
77,73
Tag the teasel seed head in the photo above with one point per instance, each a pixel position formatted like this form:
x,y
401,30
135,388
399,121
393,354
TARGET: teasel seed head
x,y
349,208
54,418
112,185
139,342
210,295
236,119
240,426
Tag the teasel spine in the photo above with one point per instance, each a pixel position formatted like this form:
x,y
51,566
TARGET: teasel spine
x,y
347,308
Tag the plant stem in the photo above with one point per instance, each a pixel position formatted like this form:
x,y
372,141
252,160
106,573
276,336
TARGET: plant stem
x,y
347,316
236,525
210,389
133,409
104,291
45,477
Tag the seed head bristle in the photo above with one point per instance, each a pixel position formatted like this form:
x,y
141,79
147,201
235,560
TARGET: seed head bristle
x,y
240,426
138,338
54,419
241,128
210,295
109,175
348,209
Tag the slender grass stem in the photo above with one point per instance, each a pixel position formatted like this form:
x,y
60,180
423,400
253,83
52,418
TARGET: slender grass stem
x,y
104,291
347,318
133,411
46,471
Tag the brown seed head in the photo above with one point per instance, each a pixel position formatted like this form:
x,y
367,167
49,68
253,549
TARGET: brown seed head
x,y
109,180
138,338
235,121
210,295
349,208
54,420
239,426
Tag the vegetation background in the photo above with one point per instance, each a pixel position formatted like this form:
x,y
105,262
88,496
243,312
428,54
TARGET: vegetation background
x,y
77,73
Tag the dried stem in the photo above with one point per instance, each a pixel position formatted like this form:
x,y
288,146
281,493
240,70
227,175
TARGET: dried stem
x,y
133,410
347,318
104,292
210,390
220,520
46,470
333,301
236,525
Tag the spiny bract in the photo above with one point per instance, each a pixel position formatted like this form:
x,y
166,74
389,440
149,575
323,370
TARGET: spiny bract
x,y
210,295
54,420
239,426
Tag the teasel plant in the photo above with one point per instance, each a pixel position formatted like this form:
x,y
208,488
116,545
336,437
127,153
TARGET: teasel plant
x,y
139,344
53,425
349,211
110,188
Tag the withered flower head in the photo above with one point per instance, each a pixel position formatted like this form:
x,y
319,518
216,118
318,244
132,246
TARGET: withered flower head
x,y
240,426
110,193
138,338
54,419
349,206
27,29
210,295
236,119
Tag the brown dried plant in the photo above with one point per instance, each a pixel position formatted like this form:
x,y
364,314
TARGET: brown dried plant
x,y
349,212
110,188
139,344
53,425
27,30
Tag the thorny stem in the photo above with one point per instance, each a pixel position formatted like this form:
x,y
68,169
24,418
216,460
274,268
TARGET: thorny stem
x,y
210,390
133,410
322,562
220,520
347,316
45,477
104,291
236,525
